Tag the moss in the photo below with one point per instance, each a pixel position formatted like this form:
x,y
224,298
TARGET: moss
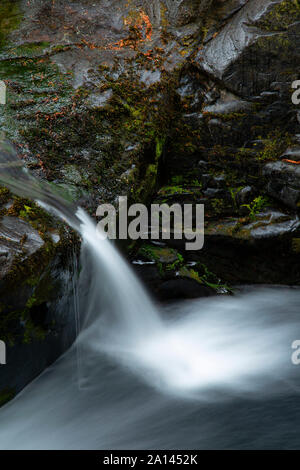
x,y
148,185
160,141
280,16
30,50
33,331
4,195
177,180
275,144
172,190
176,264
32,275
32,213
157,253
205,277
10,17
167,259
218,206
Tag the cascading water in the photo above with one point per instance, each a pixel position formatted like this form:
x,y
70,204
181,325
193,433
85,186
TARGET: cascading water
x,y
147,378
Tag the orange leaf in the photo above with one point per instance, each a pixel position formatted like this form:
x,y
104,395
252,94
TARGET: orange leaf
x,y
291,161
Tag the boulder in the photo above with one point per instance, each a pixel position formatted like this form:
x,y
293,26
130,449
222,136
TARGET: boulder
x,y
18,241
283,182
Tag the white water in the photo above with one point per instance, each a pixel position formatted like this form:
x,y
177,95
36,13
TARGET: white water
x,y
230,343
138,377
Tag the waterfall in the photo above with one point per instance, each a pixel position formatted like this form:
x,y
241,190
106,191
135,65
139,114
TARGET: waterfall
x,y
228,343
139,374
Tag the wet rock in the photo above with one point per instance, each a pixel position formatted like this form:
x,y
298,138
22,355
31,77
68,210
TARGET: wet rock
x,y
246,41
110,99
183,289
128,175
149,77
233,39
220,181
71,174
245,195
183,12
100,100
213,192
218,124
292,153
194,120
202,164
273,225
283,182
270,224
18,241
49,327
149,273
227,103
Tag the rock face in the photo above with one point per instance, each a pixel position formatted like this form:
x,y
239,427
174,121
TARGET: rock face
x,y
17,239
284,182
165,101
37,318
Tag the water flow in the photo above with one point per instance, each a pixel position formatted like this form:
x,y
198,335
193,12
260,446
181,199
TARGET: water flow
x,y
200,350
226,345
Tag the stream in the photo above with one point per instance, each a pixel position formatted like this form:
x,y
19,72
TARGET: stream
x,y
201,374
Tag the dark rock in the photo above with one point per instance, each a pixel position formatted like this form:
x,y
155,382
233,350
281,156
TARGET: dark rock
x,y
213,192
227,103
55,318
148,272
270,224
183,289
247,42
123,106
245,195
18,241
203,165
194,120
233,39
283,182
292,153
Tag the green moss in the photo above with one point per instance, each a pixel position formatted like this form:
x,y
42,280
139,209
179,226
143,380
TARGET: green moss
x,y
205,277
281,15
172,190
30,50
32,213
4,195
218,206
148,185
160,141
166,259
274,145
157,253
10,17
177,180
